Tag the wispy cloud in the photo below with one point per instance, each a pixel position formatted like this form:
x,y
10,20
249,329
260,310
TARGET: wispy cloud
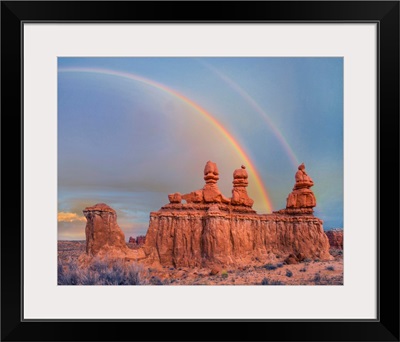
x,y
69,217
74,230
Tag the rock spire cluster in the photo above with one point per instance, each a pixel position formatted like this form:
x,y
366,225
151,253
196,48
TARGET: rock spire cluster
x,y
210,193
210,229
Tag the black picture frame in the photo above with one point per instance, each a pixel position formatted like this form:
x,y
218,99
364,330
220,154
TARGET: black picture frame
x,y
384,13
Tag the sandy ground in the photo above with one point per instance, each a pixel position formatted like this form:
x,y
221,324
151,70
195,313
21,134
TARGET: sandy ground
x,y
277,273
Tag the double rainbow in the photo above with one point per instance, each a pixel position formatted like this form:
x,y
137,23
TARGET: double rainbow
x,y
250,165
257,108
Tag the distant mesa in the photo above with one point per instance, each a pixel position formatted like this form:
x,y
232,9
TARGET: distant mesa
x,y
138,241
335,237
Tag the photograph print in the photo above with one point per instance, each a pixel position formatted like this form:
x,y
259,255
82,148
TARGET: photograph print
x,y
200,171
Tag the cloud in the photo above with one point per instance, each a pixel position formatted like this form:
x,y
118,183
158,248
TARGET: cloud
x,y
71,230
69,217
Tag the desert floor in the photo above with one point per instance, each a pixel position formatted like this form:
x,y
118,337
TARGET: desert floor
x,y
277,273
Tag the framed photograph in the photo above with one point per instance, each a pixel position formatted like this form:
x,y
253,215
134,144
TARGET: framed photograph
x,y
178,160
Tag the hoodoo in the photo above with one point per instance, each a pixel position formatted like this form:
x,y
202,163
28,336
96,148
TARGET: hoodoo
x,y
212,229
104,238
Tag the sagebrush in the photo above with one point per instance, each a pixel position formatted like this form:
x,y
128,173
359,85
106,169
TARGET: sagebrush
x,y
101,272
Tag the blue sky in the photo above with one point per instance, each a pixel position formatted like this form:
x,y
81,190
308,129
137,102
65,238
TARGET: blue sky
x,y
130,132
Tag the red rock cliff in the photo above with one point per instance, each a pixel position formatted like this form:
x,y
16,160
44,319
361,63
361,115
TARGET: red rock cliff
x,y
194,237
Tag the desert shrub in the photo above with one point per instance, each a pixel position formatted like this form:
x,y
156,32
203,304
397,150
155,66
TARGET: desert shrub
x,y
224,274
156,281
100,272
89,278
307,260
289,273
133,274
68,274
303,269
336,252
330,268
267,281
114,275
277,282
279,264
338,280
335,280
270,267
316,260
98,265
317,278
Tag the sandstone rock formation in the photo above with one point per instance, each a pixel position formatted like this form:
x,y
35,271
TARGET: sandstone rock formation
x,y
175,198
212,230
239,192
140,240
301,200
104,238
193,197
194,238
335,237
210,192
301,196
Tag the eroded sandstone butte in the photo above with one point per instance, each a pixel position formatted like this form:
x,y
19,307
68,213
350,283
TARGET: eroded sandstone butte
x,y
212,229
104,238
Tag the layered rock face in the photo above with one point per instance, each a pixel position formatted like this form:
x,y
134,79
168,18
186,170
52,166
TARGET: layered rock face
x,y
335,237
103,235
217,230
187,237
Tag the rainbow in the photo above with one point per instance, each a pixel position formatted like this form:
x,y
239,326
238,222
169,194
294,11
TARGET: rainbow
x,y
250,165
258,109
